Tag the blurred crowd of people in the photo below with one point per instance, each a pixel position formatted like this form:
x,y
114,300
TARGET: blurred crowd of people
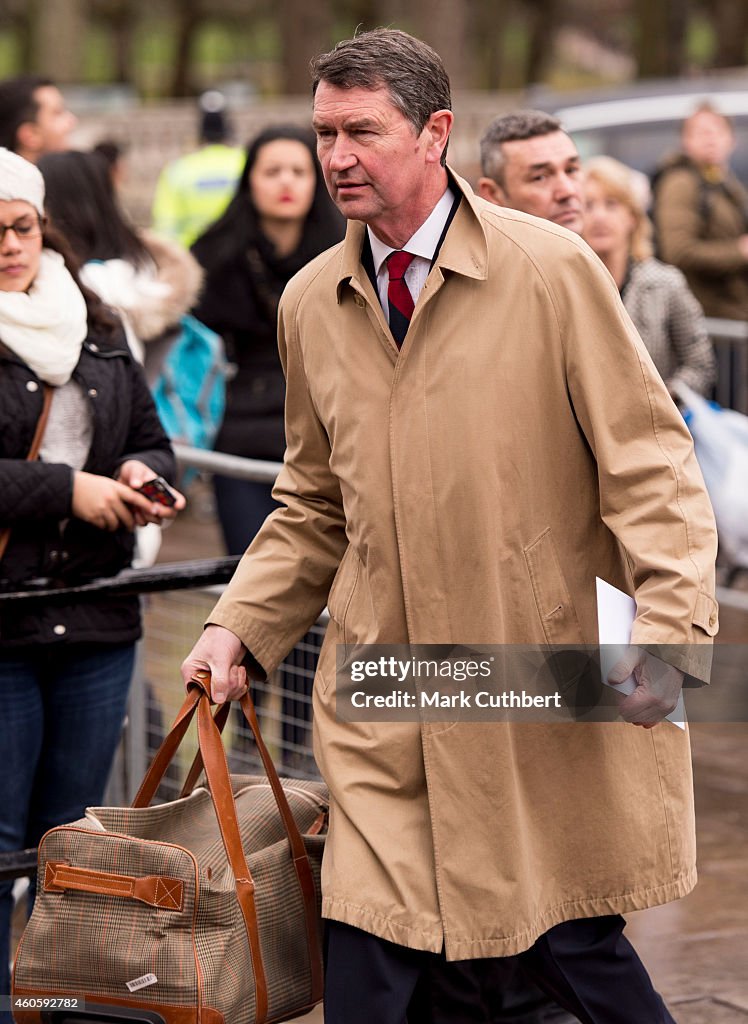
x,y
87,299
231,225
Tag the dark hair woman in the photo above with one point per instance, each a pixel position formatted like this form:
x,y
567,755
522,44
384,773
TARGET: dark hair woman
x,y
66,516
280,218
151,282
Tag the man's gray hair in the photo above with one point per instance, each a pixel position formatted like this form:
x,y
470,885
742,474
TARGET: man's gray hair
x,y
521,124
408,68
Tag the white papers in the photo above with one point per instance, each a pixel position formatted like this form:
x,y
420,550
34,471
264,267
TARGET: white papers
x,y
616,612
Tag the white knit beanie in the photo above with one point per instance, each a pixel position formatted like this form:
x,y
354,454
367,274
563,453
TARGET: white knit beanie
x,y
20,179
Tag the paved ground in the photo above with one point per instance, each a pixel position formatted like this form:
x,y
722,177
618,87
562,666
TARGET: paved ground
x,y
697,949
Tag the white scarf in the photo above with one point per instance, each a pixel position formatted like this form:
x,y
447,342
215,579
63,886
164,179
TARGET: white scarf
x,y
47,325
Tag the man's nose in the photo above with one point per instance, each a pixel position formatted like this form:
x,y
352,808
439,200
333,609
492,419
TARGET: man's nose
x,y
566,187
342,157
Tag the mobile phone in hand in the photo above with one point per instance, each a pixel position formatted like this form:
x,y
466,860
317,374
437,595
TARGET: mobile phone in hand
x,y
159,491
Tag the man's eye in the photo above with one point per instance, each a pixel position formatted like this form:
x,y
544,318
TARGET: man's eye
x,y
23,229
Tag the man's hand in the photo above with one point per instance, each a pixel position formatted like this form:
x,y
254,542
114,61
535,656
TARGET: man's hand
x,y
222,652
134,474
658,687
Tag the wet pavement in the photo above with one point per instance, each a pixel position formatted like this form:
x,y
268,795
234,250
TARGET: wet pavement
x,y
697,948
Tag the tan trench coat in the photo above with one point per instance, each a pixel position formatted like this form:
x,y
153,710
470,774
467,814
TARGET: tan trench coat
x,y
469,490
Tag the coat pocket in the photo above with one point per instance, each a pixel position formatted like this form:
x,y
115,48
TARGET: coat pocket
x,y
327,662
341,592
552,598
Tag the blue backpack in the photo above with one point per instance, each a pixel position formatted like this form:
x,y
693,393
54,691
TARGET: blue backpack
x,y
190,394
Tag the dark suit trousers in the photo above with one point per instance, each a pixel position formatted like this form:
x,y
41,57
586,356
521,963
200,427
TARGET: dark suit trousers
x,y
587,966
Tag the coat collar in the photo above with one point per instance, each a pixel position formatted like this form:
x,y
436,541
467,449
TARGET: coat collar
x,y
465,249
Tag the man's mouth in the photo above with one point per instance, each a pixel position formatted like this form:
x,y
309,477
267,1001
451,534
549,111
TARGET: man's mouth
x,y
568,215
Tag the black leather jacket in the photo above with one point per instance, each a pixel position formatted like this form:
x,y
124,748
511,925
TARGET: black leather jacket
x,y
47,545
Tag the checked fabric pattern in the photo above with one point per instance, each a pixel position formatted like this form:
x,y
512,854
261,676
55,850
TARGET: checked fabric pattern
x,y
399,299
92,944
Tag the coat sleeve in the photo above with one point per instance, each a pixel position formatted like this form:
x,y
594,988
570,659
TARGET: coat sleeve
x,y
696,362
679,228
34,491
652,494
281,585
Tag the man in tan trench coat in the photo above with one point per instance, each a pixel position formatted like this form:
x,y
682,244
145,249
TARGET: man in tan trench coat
x,y
466,487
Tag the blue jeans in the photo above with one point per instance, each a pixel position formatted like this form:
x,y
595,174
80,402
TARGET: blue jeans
x,y
61,719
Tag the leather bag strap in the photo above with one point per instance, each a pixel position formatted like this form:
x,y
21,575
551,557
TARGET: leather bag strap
x,y
213,758
166,752
36,443
298,851
219,782
220,718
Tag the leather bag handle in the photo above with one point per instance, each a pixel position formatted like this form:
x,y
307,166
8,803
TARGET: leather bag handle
x,y
156,890
36,443
213,757
219,782
220,718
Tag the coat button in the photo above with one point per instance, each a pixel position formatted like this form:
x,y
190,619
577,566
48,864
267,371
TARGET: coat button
x,y
92,392
31,385
713,619
360,300
59,629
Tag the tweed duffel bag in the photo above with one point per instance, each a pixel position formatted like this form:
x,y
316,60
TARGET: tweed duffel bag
x,y
204,910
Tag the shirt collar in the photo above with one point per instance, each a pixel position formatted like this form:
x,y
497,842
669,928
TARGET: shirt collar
x,y
424,241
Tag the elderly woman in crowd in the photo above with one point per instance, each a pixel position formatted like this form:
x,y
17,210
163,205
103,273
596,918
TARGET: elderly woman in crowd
x,y
79,435
656,296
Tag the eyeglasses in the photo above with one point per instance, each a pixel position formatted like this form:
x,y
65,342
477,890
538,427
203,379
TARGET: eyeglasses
x,y
23,228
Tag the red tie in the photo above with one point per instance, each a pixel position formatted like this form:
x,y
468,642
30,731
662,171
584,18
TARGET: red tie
x,y
398,297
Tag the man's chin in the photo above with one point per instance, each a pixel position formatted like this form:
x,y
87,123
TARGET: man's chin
x,y
571,221
354,207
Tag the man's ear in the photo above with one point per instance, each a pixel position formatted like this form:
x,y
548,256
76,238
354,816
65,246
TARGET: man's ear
x,y
438,126
492,191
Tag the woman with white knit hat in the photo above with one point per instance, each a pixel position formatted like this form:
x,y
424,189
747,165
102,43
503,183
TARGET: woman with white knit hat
x,y
79,434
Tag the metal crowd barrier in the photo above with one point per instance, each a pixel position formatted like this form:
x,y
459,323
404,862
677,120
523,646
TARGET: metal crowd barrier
x,y
172,620
177,597
730,340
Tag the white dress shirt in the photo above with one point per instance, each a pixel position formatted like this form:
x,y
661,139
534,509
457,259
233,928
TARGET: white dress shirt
x,y
422,245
